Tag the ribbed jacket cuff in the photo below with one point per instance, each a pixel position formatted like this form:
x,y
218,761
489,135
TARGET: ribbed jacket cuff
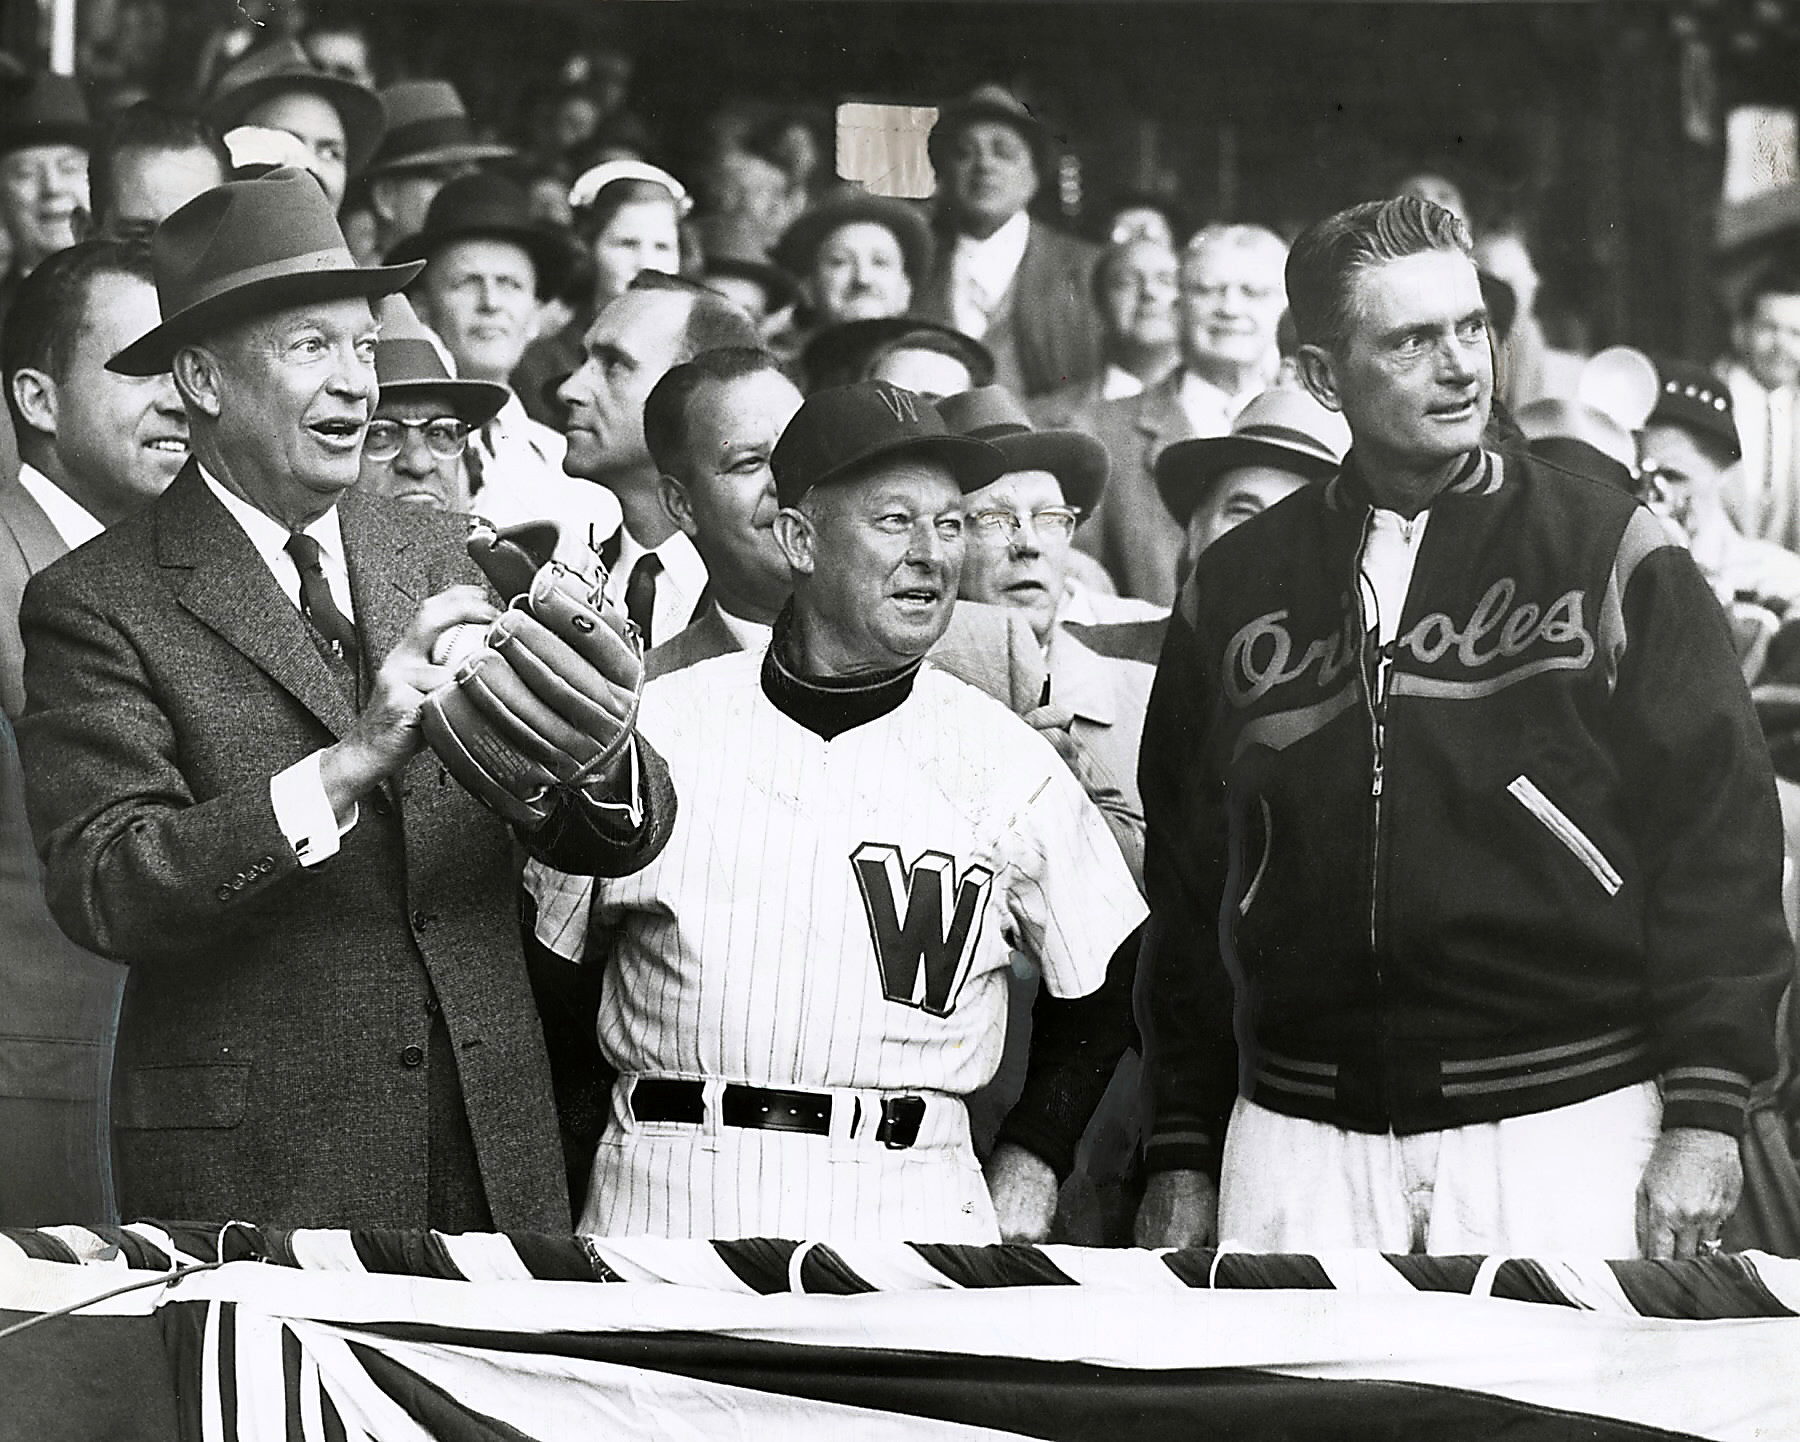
x,y
1182,1151
1713,1098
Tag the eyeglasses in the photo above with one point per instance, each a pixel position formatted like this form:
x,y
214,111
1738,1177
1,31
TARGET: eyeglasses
x,y
1053,523
444,438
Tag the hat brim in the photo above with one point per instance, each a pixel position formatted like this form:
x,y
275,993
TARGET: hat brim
x,y
1077,460
1187,469
475,402
364,117
154,352
549,256
972,464
470,154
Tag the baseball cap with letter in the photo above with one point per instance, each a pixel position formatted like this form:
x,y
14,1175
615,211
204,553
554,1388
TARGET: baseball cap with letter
x,y
838,432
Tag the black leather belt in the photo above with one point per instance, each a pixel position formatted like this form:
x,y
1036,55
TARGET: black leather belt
x,y
770,1109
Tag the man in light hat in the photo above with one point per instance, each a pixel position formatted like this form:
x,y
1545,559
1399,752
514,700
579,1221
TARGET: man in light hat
x,y
429,142
329,1020
45,134
892,831
486,265
1279,442
1008,280
277,85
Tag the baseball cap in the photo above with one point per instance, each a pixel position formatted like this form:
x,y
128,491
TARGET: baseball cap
x,y
1691,396
839,431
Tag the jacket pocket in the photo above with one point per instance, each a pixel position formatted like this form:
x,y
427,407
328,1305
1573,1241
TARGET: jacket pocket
x,y
1525,792
201,1094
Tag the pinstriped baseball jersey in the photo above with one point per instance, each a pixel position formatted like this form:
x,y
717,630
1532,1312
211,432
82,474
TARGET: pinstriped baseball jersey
x,y
838,913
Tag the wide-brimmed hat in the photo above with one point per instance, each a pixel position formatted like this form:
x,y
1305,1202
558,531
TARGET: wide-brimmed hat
x,y
46,109
798,247
246,248
995,415
487,206
840,431
427,126
1284,428
986,102
407,363
1691,396
841,354
283,66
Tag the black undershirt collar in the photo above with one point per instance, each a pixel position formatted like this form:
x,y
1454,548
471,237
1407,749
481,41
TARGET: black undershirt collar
x,y
828,706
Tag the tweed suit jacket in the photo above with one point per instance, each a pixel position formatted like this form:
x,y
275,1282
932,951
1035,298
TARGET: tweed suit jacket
x,y
58,1003
276,1017
1046,331
1131,532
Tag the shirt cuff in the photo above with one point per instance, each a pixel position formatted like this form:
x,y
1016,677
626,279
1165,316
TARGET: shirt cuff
x,y
304,812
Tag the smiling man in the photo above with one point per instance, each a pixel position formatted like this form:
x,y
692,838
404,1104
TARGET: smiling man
x,y
329,1020
800,999
1448,767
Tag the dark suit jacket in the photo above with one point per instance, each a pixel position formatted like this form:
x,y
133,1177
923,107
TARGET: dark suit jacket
x,y
1131,532
58,1004
1046,332
270,1050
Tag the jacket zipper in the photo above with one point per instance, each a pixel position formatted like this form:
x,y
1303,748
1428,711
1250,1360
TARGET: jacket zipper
x,y
1375,701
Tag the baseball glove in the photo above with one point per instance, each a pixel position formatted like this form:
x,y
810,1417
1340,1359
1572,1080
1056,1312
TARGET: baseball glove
x,y
548,702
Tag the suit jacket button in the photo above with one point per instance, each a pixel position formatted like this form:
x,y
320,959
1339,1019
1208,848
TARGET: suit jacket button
x,y
412,1056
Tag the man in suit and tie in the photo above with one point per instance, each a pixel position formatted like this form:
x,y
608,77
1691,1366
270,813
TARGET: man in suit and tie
x,y
1019,287
1232,297
96,446
328,1020
1136,283
653,570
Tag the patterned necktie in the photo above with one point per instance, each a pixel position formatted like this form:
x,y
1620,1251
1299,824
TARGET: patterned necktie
x,y
316,602
640,593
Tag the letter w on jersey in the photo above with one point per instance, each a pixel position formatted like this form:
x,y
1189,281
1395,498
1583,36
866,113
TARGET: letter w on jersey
x,y
924,921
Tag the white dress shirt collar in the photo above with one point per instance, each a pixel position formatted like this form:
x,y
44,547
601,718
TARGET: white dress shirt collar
x,y
1210,409
678,588
984,272
751,635
270,538
73,521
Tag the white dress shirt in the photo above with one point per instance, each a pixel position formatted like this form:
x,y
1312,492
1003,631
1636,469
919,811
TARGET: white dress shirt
x,y
1764,497
982,271
522,479
73,522
302,810
1116,383
1210,410
678,588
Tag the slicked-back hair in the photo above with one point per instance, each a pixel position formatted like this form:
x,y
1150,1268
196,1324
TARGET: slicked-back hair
x,y
1323,264
713,323
147,126
50,310
666,407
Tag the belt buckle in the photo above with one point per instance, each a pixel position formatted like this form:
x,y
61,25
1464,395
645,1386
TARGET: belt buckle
x,y
901,1118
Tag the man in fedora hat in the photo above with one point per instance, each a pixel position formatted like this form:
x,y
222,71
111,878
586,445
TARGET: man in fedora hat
x,y
1011,282
1279,442
429,142
45,134
329,1020
486,265
95,447
277,85
839,791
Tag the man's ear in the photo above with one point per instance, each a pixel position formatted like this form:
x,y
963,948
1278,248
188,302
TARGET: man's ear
x,y
1318,373
795,535
197,377
34,392
677,504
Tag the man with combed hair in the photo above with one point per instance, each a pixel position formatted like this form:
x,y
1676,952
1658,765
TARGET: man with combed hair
x,y
147,163
1450,776
1230,302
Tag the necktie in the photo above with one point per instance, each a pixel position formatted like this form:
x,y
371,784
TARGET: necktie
x,y
316,602
640,593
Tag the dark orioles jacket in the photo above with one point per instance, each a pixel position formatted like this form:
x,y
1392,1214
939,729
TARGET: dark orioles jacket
x,y
1526,854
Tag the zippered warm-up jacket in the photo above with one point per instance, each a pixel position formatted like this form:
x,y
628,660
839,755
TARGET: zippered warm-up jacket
x,y
1526,854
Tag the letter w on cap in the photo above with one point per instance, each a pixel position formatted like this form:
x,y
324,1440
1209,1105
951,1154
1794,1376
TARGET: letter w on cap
x,y
903,405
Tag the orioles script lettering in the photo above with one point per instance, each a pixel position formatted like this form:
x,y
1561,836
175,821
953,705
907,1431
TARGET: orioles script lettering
x,y
1262,655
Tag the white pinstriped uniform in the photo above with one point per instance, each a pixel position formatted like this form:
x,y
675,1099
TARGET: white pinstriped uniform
x,y
747,952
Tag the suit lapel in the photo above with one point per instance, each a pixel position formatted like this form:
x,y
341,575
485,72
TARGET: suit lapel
x,y
219,577
386,579
1080,680
1160,418
40,542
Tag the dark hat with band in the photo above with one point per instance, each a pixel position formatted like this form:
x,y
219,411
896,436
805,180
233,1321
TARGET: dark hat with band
x,y
993,414
243,249
283,66
484,206
986,102
46,109
839,432
1283,428
1691,396
427,126
407,363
